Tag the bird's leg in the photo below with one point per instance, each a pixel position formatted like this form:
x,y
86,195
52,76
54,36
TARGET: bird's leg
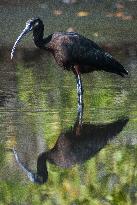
x,y
79,81
79,86
80,115
78,123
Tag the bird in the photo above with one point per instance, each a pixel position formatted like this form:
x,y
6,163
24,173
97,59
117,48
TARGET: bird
x,y
72,51
74,145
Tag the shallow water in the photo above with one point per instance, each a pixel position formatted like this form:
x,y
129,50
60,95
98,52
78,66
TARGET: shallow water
x,y
96,161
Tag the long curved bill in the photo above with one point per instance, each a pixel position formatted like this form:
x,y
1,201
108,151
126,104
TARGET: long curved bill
x,y
30,175
23,33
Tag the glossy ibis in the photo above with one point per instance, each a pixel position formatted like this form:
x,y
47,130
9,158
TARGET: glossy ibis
x,y
74,146
72,51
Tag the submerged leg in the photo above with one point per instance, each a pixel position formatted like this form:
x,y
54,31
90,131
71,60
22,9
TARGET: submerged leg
x,y
79,86
80,115
78,123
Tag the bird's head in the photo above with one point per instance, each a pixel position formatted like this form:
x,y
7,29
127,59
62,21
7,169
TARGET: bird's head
x,y
37,179
31,25
41,176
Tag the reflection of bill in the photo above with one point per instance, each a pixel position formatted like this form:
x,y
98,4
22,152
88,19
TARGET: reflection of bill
x,y
74,146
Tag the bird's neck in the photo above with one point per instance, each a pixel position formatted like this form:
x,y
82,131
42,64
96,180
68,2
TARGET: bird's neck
x,y
42,167
38,34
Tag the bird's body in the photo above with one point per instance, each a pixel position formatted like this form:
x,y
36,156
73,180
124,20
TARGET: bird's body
x,y
74,146
80,143
72,51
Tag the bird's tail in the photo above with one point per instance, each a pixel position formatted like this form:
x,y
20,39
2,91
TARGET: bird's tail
x,y
114,66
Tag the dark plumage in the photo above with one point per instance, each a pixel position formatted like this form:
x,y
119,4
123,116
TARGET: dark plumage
x,y
72,51
75,146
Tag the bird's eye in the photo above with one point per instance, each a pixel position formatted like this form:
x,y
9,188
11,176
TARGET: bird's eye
x,y
28,24
36,24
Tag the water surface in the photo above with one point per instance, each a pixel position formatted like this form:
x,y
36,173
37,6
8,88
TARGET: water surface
x,y
38,107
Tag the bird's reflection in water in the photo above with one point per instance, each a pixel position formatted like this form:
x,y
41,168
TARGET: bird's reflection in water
x,y
75,146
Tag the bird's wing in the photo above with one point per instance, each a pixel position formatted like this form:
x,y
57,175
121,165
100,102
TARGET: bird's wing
x,y
72,48
92,55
